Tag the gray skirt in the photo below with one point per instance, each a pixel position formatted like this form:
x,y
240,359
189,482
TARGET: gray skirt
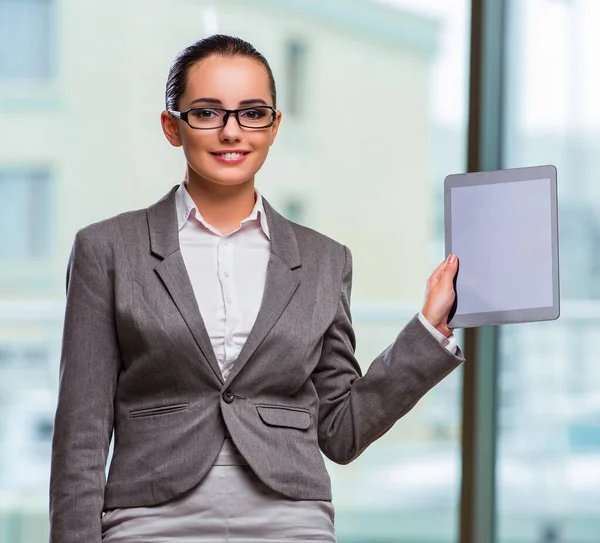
x,y
230,505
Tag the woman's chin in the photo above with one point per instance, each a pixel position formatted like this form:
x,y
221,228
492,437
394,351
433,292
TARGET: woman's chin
x,y
231,180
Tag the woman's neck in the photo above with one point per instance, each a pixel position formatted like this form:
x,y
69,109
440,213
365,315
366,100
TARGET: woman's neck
x,y
222,206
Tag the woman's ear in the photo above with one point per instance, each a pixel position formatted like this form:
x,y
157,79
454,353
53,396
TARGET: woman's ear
x,y
275,127
170,128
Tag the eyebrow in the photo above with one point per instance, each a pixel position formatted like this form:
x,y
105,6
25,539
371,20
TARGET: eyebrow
x,y
216,101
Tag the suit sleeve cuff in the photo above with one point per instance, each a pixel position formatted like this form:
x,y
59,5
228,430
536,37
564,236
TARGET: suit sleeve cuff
x,y
448,342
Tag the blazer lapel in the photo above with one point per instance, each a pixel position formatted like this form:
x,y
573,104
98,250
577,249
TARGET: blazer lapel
x,y
281,283
164,243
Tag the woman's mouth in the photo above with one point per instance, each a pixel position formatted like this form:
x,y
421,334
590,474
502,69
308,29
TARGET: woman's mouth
x,y
230,157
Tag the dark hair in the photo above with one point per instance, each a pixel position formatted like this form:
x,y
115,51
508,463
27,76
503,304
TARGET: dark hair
x,y
217,44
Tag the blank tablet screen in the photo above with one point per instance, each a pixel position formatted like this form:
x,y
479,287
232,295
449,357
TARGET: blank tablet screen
x,y
502,233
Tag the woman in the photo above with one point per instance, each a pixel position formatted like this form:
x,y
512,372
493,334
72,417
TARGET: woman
x,y
214,337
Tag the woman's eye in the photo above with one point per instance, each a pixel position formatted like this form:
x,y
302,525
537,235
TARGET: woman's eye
x,y
253,114
205,114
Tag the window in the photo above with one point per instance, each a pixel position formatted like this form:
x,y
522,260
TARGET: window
x,y
27,40
25,215
548,474
376,95
295,76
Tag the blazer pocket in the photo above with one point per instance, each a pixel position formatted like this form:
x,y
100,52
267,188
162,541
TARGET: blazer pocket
x,y
160,410
289,417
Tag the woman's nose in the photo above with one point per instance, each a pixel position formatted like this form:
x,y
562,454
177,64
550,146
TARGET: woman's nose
x,y
232,131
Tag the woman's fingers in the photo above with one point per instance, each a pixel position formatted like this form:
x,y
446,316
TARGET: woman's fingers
x,y
447,269
437,273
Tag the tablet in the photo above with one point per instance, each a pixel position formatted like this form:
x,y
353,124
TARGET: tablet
x,y
503,226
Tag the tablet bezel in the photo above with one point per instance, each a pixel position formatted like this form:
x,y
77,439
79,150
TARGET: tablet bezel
x,y
492,318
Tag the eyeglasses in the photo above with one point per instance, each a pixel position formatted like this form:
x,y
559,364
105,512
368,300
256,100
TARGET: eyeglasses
x,y
208,118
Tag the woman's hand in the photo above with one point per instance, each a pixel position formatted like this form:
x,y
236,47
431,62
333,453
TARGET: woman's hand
x,y
440,295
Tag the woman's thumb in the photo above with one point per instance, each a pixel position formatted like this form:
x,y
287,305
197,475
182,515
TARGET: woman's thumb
x,y
450,268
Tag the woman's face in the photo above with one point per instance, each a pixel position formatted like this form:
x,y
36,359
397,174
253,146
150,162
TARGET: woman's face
x,y
229,83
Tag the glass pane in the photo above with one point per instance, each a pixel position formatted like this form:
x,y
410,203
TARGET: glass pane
x,y
377,120
295,76
26,39
14,196
549,443
26,214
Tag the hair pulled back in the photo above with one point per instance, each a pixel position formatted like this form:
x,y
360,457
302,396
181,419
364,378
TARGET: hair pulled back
x,y
215,45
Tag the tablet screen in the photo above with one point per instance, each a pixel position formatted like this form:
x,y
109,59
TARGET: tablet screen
x,y
505,236
502,236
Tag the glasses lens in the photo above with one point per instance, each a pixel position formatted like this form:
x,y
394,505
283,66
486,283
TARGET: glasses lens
x,y
205,117
256,117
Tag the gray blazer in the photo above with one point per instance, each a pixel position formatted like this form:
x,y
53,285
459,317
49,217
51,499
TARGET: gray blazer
x,y
136,359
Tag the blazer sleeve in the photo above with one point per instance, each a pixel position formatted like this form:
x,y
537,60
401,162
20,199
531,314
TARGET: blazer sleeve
x,y
89,367
355,410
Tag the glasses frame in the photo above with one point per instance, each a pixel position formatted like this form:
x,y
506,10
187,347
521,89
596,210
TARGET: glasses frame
x,y
183,115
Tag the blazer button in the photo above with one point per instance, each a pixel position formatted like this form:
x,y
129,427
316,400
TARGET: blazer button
x,y
228,396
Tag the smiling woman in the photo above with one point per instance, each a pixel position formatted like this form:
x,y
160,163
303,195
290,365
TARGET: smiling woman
x,y
207,82
214,337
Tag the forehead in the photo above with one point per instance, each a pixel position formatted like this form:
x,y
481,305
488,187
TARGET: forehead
x,y
230,79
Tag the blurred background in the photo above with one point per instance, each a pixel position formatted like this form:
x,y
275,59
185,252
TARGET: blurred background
x,y
375,98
